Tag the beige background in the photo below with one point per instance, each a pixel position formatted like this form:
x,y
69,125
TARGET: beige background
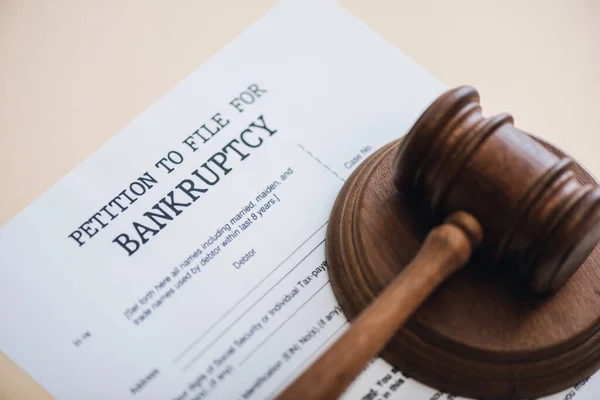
x,y
73,73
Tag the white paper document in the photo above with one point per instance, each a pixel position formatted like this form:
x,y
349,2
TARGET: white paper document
x,y
185,259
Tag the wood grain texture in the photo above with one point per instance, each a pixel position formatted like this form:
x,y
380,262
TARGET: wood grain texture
x,y
446,249
482,333
534,213
537,217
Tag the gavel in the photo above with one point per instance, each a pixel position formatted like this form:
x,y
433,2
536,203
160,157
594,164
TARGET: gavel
x,y
497,190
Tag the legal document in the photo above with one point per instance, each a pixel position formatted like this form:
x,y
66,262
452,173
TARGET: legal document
x,y
185,259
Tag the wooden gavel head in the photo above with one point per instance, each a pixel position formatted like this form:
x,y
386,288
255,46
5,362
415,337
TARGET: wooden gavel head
x,y
536,216
398,273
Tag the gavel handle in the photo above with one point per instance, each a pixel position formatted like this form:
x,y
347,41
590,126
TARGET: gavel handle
x,y
446,249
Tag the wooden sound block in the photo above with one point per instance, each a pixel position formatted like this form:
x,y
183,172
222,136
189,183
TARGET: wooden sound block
x,y
483,333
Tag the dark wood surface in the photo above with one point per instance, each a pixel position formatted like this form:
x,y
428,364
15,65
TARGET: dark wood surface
x,y
482,333
446,249
537,217
492,330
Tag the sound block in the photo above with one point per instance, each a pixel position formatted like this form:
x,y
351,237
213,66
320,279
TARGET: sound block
x,y
483,333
